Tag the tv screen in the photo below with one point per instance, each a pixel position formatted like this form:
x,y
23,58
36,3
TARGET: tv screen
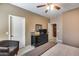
x,y
44,31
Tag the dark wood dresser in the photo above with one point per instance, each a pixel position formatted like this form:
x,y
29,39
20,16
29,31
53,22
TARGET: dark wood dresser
x,y
39,40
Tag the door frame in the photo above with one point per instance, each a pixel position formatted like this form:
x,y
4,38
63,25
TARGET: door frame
x,y
10,26
54,34
52,37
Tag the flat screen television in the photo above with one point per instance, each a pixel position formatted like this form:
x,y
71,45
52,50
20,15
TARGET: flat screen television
x,y
43,31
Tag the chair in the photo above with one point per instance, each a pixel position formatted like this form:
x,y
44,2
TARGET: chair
x,y
9,47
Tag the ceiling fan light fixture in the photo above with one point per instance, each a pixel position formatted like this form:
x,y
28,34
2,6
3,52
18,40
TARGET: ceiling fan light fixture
x,y
52,7
47,8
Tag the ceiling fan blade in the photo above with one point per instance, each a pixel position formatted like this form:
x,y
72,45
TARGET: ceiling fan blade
x,y
57,7
49,3
46,11
40,6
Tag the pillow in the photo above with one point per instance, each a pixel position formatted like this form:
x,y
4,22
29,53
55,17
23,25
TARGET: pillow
x,y
4,49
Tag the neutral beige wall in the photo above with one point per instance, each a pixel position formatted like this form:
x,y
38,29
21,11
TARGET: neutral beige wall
x,y
31,20
70,23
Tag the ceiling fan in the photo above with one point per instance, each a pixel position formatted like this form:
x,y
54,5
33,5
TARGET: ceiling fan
x,y
49,5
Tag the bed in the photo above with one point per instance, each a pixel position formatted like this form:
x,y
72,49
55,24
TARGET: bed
x,y
62,50
49,49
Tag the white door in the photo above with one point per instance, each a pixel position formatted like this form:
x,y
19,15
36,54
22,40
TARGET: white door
x,y
17,29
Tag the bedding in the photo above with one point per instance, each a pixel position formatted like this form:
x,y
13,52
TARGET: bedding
x,y
40,50
62,50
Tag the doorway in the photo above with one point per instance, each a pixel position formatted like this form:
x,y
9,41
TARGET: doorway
x,y
17,29
54,30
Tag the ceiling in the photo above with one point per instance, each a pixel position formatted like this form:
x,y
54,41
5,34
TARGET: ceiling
x,y
41,11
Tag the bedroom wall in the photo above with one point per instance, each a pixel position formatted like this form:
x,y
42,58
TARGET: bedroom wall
x,y
70,28
31,20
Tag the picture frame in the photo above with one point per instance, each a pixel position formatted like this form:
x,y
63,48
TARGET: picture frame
x,y
37,27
